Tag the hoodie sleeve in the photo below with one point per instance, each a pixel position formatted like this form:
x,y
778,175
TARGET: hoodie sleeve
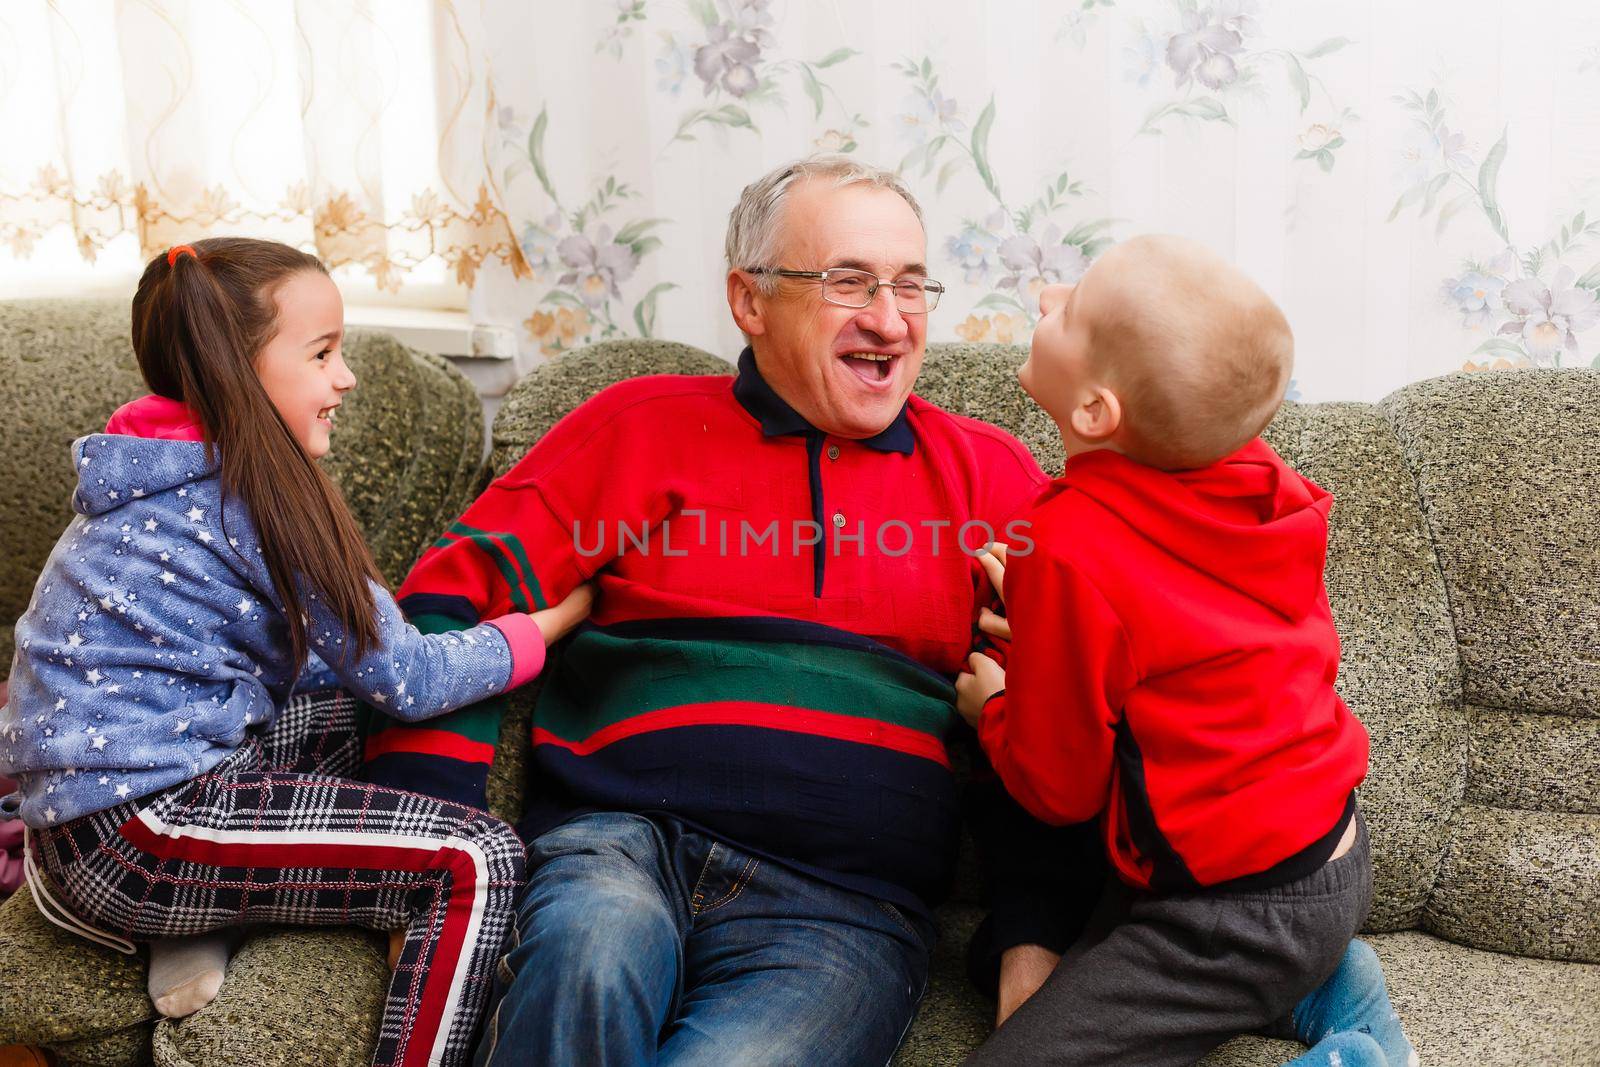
x,y
412,675
1049,732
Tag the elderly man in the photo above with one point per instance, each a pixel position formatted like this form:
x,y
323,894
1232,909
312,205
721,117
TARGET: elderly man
x,y
742,808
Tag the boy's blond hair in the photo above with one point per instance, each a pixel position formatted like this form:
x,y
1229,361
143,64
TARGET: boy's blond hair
x,y
1196,352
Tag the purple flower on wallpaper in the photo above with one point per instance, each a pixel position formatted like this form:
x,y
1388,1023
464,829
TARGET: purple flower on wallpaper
x,y
729,57
597,265
1549,318
1204,49
1034,264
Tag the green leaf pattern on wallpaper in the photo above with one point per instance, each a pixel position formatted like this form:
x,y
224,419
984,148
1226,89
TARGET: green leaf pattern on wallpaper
x,y
1013,250
585,253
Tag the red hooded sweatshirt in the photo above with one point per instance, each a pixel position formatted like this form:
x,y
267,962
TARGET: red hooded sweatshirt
x,y
1172,670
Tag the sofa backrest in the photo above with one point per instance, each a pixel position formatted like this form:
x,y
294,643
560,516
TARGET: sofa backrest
x,y
406,450
1398,668
1507,471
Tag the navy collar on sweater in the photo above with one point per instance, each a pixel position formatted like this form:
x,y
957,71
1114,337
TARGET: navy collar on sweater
x,y
777,418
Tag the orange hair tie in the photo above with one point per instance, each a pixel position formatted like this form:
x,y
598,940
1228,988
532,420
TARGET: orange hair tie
x,y
177,250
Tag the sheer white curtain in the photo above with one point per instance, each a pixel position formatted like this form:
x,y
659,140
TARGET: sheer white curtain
x,y
1416,183
354,129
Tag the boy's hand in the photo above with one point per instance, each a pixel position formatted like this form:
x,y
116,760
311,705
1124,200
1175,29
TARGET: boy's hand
x,y
974,688
994,565
555,623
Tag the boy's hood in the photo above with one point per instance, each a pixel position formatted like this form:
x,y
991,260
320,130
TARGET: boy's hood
x,y
1248,521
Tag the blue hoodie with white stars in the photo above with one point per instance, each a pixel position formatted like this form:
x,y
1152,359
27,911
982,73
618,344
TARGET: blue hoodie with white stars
x,y
155,641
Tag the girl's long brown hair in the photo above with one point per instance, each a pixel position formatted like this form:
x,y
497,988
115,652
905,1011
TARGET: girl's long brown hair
x,y
198,325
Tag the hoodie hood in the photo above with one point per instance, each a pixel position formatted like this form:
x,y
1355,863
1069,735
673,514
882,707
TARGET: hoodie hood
x,y
1248,521
151,445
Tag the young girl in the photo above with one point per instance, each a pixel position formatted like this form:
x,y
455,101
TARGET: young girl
x,y
170,784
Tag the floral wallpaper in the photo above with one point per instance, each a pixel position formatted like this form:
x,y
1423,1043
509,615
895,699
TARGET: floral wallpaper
x,y
1417,184
1412,215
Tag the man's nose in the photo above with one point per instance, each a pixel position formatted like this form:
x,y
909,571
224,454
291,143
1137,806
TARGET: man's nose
x,y
883,317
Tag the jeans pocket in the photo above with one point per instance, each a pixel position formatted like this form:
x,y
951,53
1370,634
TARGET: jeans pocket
x,y
899,917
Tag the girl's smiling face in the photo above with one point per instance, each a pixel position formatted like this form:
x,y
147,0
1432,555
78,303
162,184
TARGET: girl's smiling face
x,y
302,368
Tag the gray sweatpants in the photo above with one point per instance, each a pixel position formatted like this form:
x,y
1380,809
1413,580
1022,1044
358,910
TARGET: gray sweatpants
x,y
1163,980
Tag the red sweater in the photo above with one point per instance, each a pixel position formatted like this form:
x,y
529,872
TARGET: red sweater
x,y
1173,669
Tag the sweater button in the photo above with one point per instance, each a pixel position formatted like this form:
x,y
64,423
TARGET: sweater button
x,y
833,451
838,519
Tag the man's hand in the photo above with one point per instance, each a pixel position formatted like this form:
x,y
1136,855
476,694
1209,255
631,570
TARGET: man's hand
x,y
974,689
555,623
1023,969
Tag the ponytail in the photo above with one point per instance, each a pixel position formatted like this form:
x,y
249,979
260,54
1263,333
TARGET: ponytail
x,y
201,315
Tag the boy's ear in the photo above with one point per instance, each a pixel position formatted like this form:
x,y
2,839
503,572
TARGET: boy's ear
x,y
1098,415
746,303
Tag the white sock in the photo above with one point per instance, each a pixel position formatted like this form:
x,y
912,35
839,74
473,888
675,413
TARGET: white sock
x,y
186,972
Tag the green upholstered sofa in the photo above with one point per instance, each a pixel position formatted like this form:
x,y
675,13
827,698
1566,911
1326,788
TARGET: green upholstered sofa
x,y
1464,570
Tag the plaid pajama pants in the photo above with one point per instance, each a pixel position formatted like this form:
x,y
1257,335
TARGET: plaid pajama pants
x,y
278,833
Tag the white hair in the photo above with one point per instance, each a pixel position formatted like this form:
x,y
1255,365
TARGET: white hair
x,y
755,224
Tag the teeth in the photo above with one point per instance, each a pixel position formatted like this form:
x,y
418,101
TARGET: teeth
x,y
873,356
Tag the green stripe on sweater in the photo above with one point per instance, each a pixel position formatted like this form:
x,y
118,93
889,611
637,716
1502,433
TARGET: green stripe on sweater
x,y
500,558
505,548
605,679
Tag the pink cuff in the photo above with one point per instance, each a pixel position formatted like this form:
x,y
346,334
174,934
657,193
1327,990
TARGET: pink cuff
x,y
526,640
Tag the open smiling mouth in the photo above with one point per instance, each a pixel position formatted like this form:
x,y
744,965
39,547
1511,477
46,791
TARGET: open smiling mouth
x,y
871,367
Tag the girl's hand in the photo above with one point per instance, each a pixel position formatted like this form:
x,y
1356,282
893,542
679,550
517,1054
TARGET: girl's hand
x,y
994,565
555,623
974,688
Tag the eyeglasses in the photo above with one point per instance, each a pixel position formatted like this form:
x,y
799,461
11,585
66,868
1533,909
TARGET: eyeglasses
x,y
851,288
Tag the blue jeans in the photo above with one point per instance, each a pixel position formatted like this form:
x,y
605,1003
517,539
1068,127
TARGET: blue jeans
x,y
638,940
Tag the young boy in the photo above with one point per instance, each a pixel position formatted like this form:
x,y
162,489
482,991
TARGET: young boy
x,y
1172,673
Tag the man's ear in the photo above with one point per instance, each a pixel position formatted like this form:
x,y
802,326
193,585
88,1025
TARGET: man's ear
x,y
746,303
1098,415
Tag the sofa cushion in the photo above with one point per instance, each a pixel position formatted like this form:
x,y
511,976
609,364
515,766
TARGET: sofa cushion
x,y
291,996
1526,882
1508,476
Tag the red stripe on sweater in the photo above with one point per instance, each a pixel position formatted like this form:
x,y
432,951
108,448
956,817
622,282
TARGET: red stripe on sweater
x,y
429,743
766,716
